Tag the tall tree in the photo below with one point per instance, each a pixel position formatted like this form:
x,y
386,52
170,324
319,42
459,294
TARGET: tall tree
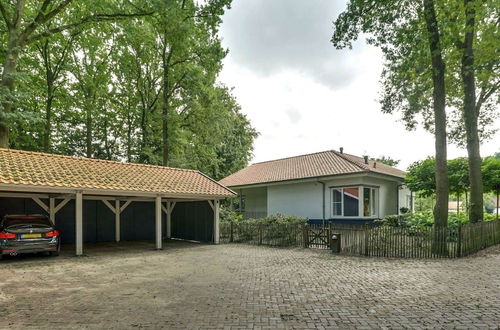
x,y
393,26
26,22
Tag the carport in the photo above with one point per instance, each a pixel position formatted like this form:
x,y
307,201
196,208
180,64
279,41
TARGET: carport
x,y
92,200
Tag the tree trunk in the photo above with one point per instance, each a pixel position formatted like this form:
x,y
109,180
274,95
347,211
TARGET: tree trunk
x,y
166,100
88,126
7,84
470,116
439,98
48,117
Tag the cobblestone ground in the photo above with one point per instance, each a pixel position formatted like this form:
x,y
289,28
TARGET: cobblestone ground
x,y
239,286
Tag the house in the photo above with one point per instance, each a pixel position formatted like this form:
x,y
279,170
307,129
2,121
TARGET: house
x,y
92,200
324,186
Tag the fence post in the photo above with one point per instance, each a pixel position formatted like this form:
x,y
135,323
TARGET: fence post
x,y
366,231
260,234
231,234
305,233
459,240
329,236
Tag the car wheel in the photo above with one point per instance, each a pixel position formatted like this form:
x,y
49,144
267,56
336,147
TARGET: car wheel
x,y
56,252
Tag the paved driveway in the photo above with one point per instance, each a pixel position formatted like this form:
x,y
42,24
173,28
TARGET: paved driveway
x,y
238,286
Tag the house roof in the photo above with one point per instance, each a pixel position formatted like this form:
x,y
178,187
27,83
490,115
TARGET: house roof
x,y
320,164
25,168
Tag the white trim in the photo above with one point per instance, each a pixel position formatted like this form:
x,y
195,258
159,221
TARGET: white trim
x,y
124,206
109,206
61,204
216,204
118,211
79,223
41,204
360,202
158,222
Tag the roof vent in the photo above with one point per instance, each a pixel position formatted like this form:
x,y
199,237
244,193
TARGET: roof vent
x,y
366,159
341,150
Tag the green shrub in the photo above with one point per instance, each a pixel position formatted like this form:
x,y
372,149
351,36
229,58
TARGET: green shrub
x,y
426,219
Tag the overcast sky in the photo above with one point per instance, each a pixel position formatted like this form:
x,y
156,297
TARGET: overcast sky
x,y
305,96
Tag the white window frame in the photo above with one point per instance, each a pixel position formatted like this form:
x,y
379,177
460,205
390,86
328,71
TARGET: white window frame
x,y
361,212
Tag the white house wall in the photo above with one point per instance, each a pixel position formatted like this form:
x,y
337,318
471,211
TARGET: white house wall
x,y
299,199
255,201
305,199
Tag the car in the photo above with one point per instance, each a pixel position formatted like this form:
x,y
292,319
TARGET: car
x,y
28,234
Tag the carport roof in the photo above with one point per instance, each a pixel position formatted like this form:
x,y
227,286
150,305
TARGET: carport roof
x,y
33,169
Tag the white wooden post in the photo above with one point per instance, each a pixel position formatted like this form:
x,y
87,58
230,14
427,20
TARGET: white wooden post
x,y
169,220
216,221
117,220
79,223
158,222
52,210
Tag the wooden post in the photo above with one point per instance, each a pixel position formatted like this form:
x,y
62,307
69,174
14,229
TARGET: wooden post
x,y
169,220
306,235
117,220
231,237
52,210
216,221
79,223
260,234
158,222
459,240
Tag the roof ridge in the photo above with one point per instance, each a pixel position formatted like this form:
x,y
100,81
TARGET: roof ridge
x,y
275,160
360,165
46,154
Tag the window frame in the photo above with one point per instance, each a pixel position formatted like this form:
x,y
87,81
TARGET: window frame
x,y
361,201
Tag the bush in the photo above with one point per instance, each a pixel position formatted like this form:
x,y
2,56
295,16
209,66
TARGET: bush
x,y
278,219
426,219
227,215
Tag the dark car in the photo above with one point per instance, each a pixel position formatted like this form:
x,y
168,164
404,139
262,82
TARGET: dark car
x,y
28,234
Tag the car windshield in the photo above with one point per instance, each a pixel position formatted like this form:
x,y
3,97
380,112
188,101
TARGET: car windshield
x,y
26,222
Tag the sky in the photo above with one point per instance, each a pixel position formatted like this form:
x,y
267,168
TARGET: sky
x,y
303,96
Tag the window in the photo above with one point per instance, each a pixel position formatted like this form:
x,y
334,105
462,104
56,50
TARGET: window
x,y
350,201
369,209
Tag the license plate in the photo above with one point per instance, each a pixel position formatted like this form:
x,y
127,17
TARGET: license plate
x,y
31,235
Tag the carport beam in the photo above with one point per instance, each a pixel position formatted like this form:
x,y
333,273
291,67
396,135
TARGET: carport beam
x,y
158,222
52,210
79,223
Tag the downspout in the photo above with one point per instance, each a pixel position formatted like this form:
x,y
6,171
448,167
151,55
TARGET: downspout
x,y
323,186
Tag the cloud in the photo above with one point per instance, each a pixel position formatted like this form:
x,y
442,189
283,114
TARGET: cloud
x,y
271,36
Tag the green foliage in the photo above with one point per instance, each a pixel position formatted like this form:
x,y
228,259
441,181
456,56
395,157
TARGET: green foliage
x,y
426,219
420,177
458,175
127,84
398,28
387,161
491,174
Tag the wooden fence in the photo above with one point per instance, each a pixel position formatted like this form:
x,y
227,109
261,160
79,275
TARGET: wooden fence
x,y
381,241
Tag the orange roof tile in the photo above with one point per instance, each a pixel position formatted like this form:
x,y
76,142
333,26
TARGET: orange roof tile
x,y
48,170
318,164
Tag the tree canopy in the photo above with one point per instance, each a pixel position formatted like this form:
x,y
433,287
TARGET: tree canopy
x,y
134,81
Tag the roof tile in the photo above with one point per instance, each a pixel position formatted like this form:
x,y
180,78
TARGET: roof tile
x,y
319,164
40,169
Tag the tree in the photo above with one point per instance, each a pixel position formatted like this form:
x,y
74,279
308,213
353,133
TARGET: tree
x,y
491,177
387,160
458,173
27,22
420,177
406,31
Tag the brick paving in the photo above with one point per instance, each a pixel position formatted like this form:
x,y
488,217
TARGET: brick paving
x,y
190,286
